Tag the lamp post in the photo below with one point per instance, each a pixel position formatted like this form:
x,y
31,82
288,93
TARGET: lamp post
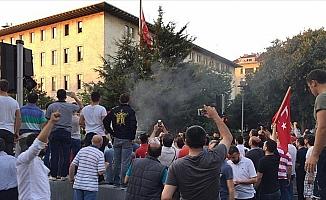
x,y
242,85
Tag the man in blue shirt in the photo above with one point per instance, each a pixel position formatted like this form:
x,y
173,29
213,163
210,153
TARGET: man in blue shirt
x,y
8,175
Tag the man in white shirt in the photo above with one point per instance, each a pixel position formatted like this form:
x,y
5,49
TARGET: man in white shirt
x,y
169,153
10,119
90,163
244,174
32,174
8,175
242,149
91,117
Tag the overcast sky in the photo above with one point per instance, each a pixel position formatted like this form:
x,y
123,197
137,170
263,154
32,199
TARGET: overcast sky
x,y
228,28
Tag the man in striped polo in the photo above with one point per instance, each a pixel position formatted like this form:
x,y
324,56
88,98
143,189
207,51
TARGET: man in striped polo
x,y
32,120
90,163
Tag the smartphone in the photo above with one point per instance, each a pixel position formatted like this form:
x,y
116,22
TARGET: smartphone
x,y
69,94
201,112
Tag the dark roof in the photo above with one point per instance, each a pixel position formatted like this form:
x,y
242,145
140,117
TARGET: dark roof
x,y
92,9
213,55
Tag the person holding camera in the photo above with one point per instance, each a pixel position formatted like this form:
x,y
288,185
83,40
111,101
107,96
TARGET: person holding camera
x,y
196,175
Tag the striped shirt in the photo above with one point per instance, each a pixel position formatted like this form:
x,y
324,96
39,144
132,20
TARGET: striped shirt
x,y
32,119
90,161
285,162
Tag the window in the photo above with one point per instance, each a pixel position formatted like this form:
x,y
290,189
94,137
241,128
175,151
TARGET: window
x,y
32,37
79,26
80,53
12,40
66,82
42,35
21,37
66,29
198,58
54,84
241,70
42,58
42,84
66,55
79,81
250,70
54,32
54,57
129,31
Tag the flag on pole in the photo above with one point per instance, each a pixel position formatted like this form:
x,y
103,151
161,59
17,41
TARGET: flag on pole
x,y
143,29
283,122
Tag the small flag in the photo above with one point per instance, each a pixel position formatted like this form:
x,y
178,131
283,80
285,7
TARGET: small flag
x,y
283,122
144,32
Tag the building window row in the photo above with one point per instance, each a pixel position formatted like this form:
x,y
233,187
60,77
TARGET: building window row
x,y
66,59
66,83
129,31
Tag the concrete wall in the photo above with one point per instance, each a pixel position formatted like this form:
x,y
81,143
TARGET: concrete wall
x,y
62,190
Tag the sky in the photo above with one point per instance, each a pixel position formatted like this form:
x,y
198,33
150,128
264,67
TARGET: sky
x,y
228,28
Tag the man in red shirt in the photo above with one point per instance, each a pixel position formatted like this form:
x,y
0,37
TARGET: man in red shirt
x,y
141,152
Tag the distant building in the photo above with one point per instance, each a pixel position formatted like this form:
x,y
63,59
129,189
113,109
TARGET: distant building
x,y
246,64
68,46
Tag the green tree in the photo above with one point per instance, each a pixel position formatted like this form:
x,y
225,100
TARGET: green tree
x,y
284,64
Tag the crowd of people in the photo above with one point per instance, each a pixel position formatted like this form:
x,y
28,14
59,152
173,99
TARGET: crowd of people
x,y
39,146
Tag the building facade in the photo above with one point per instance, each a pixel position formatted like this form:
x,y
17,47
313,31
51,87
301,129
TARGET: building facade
x,y
67,47
246,64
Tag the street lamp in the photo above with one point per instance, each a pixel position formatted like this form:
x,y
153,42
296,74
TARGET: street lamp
x,y
242,85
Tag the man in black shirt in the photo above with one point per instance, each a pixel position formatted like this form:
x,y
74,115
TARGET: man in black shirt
x,y
268,173
255,153
299,167
124,123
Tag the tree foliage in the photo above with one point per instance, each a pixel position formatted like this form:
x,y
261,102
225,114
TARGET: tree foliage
x,y
284,64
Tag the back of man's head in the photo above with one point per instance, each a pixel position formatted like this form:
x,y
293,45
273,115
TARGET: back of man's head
x,y
300,141
179,141
195,137
95,96
254,132
32,98
310,139
254,141
124,98
4,85
2,145
318,75
154,150
239,139
167,140
97,140
271,146
61,94
143,138
30,139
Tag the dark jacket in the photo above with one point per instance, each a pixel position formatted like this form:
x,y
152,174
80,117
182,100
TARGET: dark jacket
x,y
145,182
123,120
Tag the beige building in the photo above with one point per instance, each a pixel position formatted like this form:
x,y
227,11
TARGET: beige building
x,y
246,64
67,47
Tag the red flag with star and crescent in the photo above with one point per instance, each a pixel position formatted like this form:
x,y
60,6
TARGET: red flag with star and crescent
x,y
283,122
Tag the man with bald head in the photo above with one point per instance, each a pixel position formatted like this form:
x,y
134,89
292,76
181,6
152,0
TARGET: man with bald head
x,y
90,163
146,176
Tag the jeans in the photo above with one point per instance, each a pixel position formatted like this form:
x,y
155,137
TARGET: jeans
x,y
60,147
108,155
122,154
8,137
274,196
291,187
10,194
88,140
300,183
321,174
75,147
285,189
47,156
84,195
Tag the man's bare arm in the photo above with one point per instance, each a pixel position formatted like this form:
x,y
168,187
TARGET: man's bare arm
x,y
230,185
168,192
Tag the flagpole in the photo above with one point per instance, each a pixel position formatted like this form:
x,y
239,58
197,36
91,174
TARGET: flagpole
x,y
278,112
140,22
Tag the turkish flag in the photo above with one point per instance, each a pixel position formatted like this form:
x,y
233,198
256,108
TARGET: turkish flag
x,y
283,122
147,38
